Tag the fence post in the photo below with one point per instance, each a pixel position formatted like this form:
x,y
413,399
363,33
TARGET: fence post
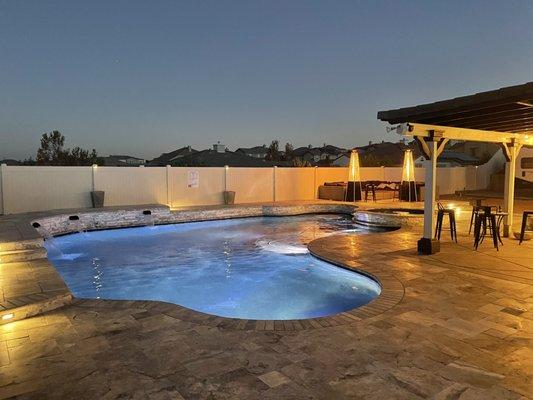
x,y
315,189
3,187
169,186
93,175
274,180
226,178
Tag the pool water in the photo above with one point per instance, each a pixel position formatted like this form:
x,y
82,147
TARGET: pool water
x,y
252,268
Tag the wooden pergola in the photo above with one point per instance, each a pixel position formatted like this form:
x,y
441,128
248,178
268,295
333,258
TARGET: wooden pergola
x,y
503,116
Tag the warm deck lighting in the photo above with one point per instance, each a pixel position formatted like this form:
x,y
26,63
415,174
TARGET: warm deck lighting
x,y
408,187
6,317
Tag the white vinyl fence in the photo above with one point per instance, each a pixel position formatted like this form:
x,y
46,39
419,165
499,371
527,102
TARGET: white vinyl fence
x,y
25,188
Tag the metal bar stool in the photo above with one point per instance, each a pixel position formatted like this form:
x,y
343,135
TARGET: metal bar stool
x,y
370,187
525,215
488,220
440,216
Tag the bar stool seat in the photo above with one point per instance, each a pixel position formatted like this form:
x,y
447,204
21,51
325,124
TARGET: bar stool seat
x,y
442,211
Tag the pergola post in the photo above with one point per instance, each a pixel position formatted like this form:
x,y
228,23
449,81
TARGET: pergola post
x,y
511,151
428,245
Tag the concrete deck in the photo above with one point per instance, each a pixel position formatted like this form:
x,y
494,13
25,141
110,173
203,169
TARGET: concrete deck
x,y
462,329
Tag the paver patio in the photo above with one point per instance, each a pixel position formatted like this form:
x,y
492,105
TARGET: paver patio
x,y
462,330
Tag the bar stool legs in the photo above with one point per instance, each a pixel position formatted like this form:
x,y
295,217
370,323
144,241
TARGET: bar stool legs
x,y
525,215
453,226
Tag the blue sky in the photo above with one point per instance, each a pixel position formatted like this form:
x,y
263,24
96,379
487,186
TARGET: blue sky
x,y
144,77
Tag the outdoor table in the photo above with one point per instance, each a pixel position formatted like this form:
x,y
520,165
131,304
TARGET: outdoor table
x,y
491,219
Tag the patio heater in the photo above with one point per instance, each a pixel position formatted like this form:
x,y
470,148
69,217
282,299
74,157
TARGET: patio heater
x,y
353,190
408,189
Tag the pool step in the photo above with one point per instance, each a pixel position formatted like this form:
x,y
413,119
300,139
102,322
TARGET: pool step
x,y
30,254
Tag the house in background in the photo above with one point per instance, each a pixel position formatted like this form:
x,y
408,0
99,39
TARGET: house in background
x,y
122,161
168,158
318,155
255,152
388,154
10,161
450,158
481,150
220,156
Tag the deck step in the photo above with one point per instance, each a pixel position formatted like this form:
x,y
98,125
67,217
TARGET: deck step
x,y
10,256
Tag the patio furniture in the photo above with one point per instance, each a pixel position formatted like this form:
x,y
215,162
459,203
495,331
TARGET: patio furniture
x,y
490,220
332,191
525,215
410,191
476,209
396,191
370,187
440,217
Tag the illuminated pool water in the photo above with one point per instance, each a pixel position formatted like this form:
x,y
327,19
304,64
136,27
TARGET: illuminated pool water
x,y
253,268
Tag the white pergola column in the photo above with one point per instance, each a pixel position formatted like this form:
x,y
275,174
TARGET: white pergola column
x,y
508,190
428,245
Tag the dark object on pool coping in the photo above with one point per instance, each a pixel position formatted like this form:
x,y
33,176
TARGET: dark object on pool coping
x,y
147,212
229,197
36,225
74,218
97,198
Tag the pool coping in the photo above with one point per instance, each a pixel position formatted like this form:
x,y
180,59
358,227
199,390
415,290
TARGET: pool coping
x,y
56,294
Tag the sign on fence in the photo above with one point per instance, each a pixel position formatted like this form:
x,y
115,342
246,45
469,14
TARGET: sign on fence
x,y
193,179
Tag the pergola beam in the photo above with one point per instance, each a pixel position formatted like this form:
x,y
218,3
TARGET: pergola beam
x,y
453,133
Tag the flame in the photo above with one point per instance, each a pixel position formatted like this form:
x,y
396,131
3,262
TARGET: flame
x,y
354,173
408,171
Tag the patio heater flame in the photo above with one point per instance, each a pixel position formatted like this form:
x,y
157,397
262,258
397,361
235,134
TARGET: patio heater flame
x,y
408,190
353,190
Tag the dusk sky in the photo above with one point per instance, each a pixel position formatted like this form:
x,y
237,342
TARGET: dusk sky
x,y
146,77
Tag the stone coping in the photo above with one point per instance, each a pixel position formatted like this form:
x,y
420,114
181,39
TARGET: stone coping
x,y
62,222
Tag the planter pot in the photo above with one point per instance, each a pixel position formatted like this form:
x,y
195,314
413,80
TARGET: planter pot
x,y
97,198
229,197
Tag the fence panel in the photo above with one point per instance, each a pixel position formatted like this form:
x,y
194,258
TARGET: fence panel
x,y
131,186
295,184
208,190
251,185
45,188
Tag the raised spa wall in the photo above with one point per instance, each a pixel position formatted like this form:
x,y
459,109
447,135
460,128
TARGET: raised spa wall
x,y
413,218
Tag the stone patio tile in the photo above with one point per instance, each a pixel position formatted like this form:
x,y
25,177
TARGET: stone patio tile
x,y
274,378
470,374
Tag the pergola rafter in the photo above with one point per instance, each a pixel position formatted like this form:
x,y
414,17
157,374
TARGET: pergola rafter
x,y
503,116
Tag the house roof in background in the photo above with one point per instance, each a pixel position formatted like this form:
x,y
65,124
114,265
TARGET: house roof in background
x,y
213,158
253,150
389,151
166,158
508,109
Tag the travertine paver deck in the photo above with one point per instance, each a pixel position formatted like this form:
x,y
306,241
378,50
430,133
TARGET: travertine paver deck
x,y
463,330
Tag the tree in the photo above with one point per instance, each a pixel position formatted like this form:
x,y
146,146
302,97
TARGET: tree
x,y
288,151
52,152
298,162
273,151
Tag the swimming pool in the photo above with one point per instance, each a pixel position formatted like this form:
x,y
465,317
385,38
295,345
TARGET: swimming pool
x,y
251,268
